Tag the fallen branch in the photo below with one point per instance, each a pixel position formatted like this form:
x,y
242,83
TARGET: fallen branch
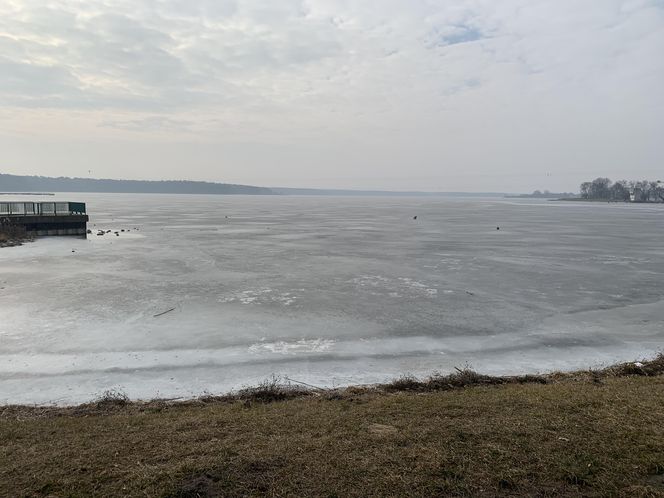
x,y
305,384
163,313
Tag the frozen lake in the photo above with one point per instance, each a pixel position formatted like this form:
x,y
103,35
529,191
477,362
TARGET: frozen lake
x,y
328,291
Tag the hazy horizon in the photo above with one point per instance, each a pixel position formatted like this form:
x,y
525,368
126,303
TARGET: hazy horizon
x,y
276,188
460,96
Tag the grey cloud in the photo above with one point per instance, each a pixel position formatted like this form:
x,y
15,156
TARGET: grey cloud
x,y
15,47
210,9
270,13
29,80
123,30
453,35
124,60
150,123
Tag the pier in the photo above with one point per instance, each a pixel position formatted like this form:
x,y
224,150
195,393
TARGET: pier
x,y
46,218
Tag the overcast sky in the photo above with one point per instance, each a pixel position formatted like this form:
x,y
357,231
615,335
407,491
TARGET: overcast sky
x,y
448,95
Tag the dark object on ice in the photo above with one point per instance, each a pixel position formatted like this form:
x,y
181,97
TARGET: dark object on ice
x,y
122,230
163,313
414,217
470,293
497,228
73,250
108,231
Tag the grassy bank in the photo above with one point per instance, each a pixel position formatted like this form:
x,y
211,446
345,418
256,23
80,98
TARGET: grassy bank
x,y
588,433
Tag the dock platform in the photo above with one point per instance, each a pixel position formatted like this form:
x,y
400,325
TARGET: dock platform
x,y
46,218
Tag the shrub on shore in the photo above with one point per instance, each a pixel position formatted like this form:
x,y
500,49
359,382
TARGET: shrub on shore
x,y
467,377
272,389
12,235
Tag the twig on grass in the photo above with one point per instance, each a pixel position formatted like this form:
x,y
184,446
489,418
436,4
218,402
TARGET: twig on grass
x,y
305,384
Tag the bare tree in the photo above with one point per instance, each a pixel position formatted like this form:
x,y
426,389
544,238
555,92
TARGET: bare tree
x,y
585,190
659,191
619,191
599,188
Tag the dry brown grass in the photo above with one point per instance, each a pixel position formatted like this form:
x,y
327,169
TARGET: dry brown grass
x,y
590,434
467,377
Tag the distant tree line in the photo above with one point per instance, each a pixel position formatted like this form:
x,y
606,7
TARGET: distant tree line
x,y
539,194
623,190
546,194
16,183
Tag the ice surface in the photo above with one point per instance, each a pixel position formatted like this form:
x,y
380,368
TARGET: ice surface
x,y
328,291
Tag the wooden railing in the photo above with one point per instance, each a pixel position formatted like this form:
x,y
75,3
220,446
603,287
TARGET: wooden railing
x,y
41,208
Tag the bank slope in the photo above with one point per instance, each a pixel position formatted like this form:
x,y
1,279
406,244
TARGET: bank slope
x,y
590,435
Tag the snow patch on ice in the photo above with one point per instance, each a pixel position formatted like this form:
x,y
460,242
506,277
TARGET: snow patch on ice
x,y
261,296
394,287
289,348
